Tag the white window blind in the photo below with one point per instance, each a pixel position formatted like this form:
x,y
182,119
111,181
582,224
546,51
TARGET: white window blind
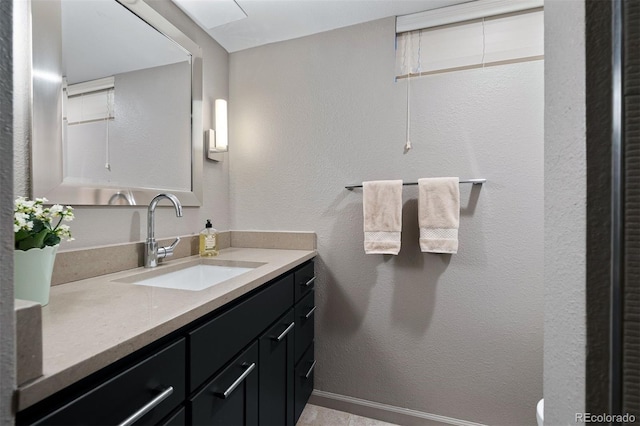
x,y
481,42
90,101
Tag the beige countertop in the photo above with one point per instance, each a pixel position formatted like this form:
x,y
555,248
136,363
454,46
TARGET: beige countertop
x,y
91,323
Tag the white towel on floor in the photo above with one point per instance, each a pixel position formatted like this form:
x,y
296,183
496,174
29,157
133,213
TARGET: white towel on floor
x,y
439,214
382,210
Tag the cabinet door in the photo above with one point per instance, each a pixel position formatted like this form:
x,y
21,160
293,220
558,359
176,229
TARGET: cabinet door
x,y
231,397
276,373
176,419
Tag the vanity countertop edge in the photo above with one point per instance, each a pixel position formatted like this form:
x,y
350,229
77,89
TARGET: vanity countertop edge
x,y
91,323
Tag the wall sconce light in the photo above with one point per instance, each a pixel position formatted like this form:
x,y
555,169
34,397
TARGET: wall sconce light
x,y
217,141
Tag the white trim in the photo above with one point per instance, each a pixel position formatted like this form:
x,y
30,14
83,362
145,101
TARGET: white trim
x,y
390,413
462,12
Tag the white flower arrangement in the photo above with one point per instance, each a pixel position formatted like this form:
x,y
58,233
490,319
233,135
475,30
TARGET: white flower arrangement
x,y
32,223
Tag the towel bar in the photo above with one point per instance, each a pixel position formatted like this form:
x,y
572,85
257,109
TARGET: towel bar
x,y
473,181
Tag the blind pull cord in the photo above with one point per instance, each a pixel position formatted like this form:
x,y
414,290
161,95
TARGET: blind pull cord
x,y
407,145
107,164
484,43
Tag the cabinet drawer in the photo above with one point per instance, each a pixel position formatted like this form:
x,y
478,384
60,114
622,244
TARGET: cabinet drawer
x,y
123,395
304,278
214,343
230,398
305,312
304,381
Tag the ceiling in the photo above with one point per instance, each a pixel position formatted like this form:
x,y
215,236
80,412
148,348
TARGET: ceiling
x,y
96,41
242,24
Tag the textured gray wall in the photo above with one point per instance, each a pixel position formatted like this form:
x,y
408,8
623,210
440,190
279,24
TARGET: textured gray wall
x,y
565,220
459,336
97,226
7,327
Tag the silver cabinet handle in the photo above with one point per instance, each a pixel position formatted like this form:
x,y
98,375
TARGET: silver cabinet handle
x,y
308,283
310,312
284,333
148,407
306,376
234,385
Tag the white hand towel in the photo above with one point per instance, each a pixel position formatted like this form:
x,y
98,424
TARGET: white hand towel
x,y
382,209
439,214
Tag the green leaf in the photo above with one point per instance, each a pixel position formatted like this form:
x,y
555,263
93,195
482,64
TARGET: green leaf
x,y
22,234
34,241
26,244
38,226
51,240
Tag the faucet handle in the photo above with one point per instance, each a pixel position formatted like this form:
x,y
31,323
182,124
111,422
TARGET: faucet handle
x,y
174,244
167,251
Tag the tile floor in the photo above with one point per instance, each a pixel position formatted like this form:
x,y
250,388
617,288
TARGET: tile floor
x,y
314,415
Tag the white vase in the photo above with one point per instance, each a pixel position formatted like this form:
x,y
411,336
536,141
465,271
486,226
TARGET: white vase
x,y
32,271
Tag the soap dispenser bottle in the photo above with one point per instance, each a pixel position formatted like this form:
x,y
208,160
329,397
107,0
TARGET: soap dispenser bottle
x,y
208,240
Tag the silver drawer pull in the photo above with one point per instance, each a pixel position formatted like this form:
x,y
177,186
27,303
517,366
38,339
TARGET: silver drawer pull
x,y
235,384
310,312
306,376
284,333
148,407
308,283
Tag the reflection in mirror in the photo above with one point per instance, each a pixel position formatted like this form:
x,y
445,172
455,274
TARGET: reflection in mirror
x,y
118,119
118,107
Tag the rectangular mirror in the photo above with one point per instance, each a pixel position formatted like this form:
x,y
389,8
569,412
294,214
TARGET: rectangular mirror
x,y
117,104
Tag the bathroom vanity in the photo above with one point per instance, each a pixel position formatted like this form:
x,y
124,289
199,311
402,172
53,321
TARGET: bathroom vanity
x,y
115,352
240,352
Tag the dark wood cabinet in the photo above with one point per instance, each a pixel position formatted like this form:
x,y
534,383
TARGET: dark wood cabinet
x,y
276,373
216,341
304,380
121,397
240,365
179,418
304,310
231,397
304,278
305,313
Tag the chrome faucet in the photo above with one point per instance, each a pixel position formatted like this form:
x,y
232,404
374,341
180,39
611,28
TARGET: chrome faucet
x,y
151,250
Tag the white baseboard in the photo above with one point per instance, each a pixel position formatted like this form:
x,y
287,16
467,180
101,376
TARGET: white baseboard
x,y
383,412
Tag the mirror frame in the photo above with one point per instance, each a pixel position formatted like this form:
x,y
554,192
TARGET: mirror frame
x,y
46,119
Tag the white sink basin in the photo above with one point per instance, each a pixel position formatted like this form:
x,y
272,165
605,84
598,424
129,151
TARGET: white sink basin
x,y
193,276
